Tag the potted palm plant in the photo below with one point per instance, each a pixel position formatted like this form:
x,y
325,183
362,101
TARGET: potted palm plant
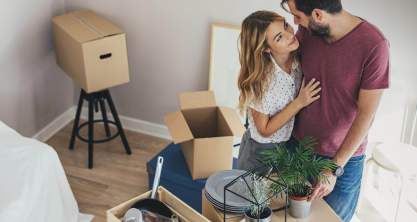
x,y
300,168
259,209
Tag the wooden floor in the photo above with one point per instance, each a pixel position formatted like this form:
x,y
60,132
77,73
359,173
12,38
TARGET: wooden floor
x,y
116,176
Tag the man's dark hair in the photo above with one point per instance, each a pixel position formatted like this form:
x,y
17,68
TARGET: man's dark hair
x,y
307,6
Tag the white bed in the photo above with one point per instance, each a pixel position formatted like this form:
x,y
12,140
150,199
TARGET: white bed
x,y
33,185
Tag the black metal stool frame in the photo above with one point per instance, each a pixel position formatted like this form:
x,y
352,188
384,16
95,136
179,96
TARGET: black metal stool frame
x,y
95,99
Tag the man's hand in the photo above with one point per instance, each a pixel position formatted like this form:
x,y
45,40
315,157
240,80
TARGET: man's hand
x,y
323,188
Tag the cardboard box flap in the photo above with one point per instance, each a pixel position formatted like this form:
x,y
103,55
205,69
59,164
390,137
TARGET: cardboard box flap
x,y
233,121
84,26
74,28
178,127
199,99
99,24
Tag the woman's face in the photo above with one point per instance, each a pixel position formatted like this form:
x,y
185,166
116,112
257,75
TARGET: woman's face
x,y
280,38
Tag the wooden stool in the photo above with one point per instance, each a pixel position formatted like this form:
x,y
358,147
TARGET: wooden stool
x,y
94,100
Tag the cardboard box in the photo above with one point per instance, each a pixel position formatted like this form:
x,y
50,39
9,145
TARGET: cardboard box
x,y
91,50
184,212
205,132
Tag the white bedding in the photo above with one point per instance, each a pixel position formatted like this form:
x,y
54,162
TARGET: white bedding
x,y
33,185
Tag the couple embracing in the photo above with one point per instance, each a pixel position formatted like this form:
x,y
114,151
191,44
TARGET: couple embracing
x,y
324,81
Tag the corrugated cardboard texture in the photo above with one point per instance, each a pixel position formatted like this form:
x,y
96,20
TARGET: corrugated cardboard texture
x,y
199,99
223,128
75,28
104,72
210,149
208,122
100,25
69,54
202,121
211,155
188,149
84,26
91,50
178,127
233,121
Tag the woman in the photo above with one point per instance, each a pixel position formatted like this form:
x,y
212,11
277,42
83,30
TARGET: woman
x,y
271,90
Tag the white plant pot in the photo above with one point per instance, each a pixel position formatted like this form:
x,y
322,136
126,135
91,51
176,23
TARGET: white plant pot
x,y
299,207
266,216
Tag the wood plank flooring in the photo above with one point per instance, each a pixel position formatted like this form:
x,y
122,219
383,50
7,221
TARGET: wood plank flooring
x,y
116,176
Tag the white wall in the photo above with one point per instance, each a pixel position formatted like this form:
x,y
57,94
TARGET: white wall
x,y
397,20
168,46
33,90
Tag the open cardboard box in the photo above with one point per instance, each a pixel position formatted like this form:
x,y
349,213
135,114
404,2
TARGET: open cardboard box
x,y
181,209
91,50
205,132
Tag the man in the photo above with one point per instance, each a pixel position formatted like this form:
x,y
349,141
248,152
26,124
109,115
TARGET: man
x,y
350,58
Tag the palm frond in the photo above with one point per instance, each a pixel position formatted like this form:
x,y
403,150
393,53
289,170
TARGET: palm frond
x,y
298,166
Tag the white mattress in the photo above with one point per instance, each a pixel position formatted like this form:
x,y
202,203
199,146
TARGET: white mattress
x,y
33,185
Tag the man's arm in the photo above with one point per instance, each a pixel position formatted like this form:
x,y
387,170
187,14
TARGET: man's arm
x,y
375,78
367,106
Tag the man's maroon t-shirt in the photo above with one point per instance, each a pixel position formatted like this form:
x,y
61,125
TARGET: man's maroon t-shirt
x,y
359,60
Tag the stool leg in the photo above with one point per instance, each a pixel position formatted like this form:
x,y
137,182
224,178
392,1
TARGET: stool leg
x,y
118,123
76,120
96,105
105,120
90,132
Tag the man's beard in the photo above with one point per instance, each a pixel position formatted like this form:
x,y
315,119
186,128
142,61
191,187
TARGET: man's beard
x,y
319,30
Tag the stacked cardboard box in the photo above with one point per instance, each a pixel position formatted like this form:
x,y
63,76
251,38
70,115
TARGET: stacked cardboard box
x,y
91,50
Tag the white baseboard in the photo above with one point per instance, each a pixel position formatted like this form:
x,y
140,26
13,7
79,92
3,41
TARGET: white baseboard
x,y
137,125
57,124
145,127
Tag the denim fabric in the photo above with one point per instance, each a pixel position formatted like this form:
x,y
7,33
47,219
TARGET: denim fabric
x,y
344,197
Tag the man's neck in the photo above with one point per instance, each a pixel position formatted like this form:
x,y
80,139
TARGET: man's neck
x,y
341,24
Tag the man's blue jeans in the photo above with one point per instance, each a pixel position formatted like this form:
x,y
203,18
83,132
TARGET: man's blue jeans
x,y
344,197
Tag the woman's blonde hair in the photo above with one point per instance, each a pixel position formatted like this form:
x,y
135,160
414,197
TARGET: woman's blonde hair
x,y
255,64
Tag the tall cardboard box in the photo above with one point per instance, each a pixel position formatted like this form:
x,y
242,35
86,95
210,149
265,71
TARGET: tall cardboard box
x,y
205,132
91,50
